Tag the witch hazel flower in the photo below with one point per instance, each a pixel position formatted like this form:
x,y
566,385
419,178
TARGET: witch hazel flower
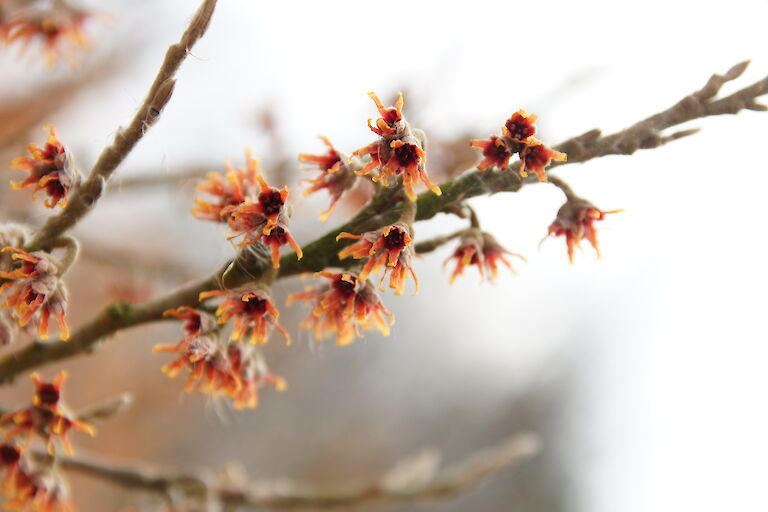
x,y
337,175
250,206
217,366
344,307
575,222
480,249
517,138
34,489
399,151
226,191
388,248
34,292
46,417
50,170
53,25
250,308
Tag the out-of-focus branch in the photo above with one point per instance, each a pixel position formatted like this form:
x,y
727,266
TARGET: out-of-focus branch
x,y
414,480
322,253
434,243
146,180
157,264
89,191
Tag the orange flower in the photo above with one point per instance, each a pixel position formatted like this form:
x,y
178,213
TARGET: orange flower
x,y
389,124
520,127
276,239
49,169
36,292
10,457
344,307
336,175
517,137
399,151
46,416
575,221
51,25
536,157
40,490
495,153
251,308
483,251
228,191
216,366
253,375
389,248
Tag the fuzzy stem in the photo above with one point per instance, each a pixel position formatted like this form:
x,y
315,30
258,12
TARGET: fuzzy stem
x,y
88,192
398,486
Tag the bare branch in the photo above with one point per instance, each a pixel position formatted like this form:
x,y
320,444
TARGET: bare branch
x,y
408,482
89,191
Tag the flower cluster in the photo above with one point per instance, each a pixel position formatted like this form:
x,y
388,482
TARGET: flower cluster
x,y
344,307
481,250
517,137
26,487
34,291
337,175
575,221
399,150
217,365
46,417
251,308
388,248
51,24
50,169
249,205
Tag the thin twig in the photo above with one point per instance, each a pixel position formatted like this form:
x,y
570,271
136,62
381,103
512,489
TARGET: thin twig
x,y
88,192
322,253
408,482
437,242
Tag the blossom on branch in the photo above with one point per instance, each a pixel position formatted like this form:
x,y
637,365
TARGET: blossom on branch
x,y
481,250
336,175
52,25
50,169
575,221
227,191
517,138
217,366
390,123
46,417
536,157
495,152
345,307
250,207
35,292
388,248
400,150
252,309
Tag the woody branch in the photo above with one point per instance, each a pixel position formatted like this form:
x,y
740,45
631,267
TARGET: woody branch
x,y
417,479
382,210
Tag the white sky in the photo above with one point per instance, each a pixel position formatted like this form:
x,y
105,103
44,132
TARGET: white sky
x,y
671,320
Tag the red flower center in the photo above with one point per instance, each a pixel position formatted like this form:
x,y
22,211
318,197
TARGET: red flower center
x,y
48,394
271,201
520,129
407,155
9,454
344,287
395,239
255,306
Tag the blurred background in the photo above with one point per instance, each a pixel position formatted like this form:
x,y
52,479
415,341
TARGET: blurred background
x,y
644,371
